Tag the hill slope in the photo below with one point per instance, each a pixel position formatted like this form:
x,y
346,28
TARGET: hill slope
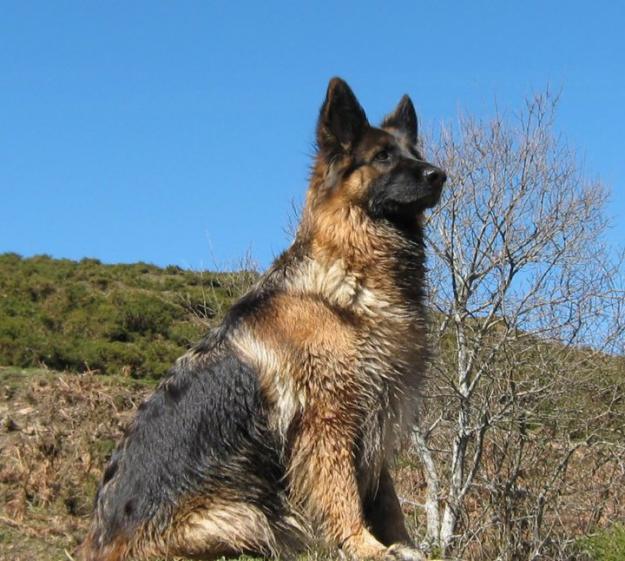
x,y
87,316
130,322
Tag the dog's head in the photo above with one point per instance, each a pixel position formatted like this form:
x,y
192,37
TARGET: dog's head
x,y
378,170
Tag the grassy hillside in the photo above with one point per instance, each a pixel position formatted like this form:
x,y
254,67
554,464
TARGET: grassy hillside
x,y
122,326
58,429
59,317
111,319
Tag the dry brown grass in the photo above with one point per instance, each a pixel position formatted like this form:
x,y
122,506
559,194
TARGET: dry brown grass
x,y
56,433
57,430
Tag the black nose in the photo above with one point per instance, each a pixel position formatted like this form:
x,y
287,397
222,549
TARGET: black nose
x,y
435,177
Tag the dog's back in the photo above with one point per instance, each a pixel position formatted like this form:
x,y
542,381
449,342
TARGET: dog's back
x,y
197,461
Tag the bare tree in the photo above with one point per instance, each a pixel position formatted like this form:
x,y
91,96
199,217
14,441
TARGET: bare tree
x,y
520,279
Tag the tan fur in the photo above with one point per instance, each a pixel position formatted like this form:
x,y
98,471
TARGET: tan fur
x,y
223,528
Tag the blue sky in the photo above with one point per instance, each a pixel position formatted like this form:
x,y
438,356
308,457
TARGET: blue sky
x,y
180,132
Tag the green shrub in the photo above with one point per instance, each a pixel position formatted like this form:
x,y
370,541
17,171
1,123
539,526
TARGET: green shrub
x,y
607,545
134,319
184,333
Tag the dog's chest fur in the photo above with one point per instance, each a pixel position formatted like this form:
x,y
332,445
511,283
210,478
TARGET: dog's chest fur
x,y
331,346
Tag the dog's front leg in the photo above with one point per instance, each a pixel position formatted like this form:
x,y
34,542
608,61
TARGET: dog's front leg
x,y
323,483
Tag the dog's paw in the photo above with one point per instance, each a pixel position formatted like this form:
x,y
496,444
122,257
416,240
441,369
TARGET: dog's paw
x,y
401,552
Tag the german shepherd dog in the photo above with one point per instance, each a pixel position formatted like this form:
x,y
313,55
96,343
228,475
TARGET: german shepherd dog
x,y
276,430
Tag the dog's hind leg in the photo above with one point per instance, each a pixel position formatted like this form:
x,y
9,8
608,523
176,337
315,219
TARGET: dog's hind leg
x,y
231,529
227,529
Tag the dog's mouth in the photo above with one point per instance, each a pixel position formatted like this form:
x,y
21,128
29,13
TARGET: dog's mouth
x,y
403,199
393,209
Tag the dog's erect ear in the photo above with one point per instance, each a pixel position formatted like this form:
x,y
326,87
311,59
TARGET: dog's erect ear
x,y
404,119
342,121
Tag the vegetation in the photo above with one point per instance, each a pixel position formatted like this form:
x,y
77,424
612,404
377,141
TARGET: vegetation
x,y
607,545
83,316
57,429
57,432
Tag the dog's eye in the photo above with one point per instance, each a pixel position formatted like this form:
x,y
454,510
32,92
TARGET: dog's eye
x,y
382,156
